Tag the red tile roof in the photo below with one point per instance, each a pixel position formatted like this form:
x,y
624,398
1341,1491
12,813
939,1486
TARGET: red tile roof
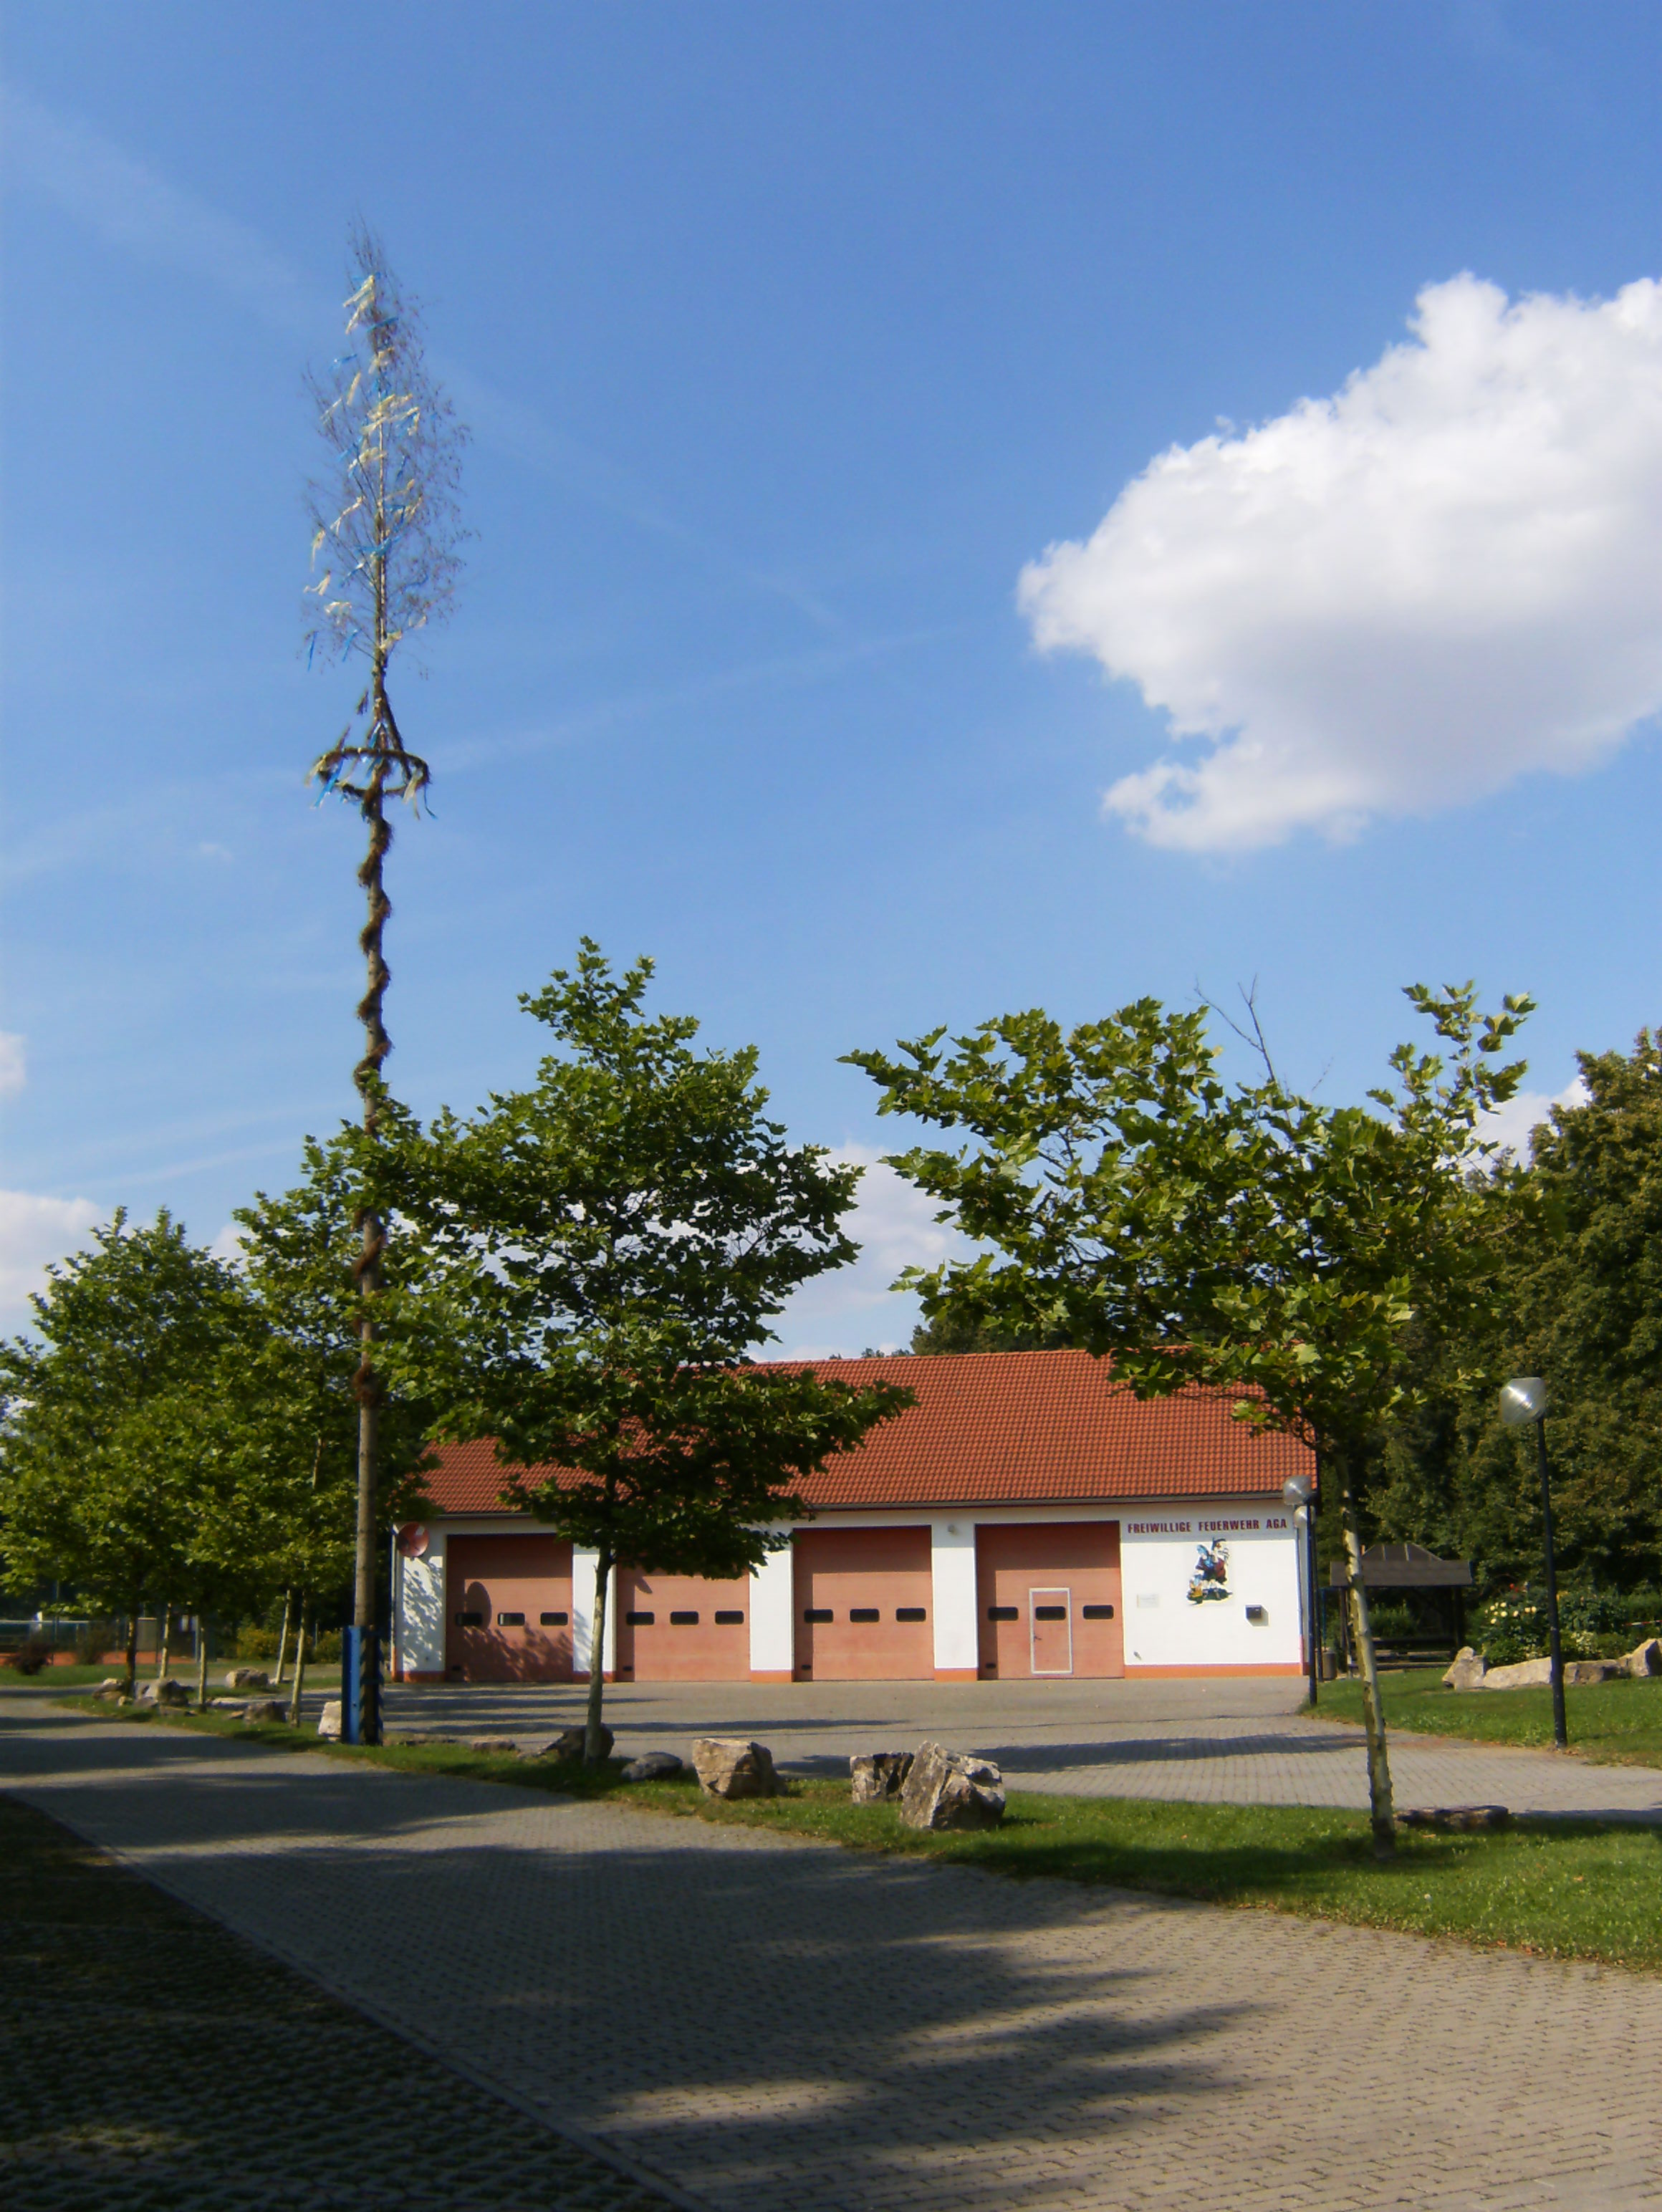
x,y
997,1428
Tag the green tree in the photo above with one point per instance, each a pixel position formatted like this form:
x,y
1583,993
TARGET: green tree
x,y
1583,1307
293,1427
1238,1237
385,530
602,1252
105,1465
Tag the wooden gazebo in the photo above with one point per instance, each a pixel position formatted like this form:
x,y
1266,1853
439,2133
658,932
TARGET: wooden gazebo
x,y
1411,1567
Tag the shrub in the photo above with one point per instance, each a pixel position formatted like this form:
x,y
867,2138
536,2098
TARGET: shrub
x,y
257,1643
1516,1622
1392,1622
94,1640
32,1655
325,1648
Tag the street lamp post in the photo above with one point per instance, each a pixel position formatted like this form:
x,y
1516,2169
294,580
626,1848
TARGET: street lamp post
x,y
1524,1402
1300,1492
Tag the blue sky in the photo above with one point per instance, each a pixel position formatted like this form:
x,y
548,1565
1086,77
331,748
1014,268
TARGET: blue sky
x,y
792,340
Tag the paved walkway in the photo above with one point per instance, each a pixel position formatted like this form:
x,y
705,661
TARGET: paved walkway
x,y
776,2022
1238,1743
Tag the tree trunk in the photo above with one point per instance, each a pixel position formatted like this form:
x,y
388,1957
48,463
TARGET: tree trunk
x,y
201,1664
1378,1764
299,1665
132,1645
283,1640
592,1754
164,1627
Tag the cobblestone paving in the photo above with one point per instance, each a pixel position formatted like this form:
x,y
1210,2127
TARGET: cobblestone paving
x,y
1223,1743
151,2061
778,2023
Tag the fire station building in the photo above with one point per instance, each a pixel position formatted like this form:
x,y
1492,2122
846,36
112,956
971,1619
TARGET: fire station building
x,y
1027,1518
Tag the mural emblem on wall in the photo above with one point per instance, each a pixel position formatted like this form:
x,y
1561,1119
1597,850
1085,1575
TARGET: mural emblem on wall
x,y
1211,1577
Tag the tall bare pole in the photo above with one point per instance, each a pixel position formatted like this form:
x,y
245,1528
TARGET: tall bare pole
x,y
386,531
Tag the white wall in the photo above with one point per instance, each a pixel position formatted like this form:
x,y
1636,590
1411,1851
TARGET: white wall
x,y
584,1576
418,1607
1158,1549
773,1615
952,1556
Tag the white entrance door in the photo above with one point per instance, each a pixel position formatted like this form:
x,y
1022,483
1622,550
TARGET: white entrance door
x,y
1050,1631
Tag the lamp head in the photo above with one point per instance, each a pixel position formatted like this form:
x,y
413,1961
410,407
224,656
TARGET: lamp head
x,y
1298,1490
1522,1400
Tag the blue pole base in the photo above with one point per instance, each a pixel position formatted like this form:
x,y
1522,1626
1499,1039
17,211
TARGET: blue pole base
x,y
360,1686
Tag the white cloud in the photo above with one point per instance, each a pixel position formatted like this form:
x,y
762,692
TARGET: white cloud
x,y
895,1226
14,1067
33,1230
228,1245
1510,1125
1397,598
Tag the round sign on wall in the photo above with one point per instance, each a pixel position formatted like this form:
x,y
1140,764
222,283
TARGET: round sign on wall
x,y
412,1540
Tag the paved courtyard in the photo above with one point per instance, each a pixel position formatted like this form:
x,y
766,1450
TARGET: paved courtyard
x,y
1219,1742
778,2022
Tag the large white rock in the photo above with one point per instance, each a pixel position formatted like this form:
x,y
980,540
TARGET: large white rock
x,y
1646,1659
328,1721
264,1709
247,1678
173,1692
732,1766
1468,1671
952,1790
877,1775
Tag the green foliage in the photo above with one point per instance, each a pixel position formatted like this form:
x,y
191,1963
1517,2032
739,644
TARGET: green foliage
x,y
1129,1200
300,1460
1581,1303
112,1475
600,1253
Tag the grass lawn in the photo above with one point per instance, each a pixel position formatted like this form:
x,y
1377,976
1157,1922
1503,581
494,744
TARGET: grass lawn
x,y
1581,1892
1613,1721
59,1678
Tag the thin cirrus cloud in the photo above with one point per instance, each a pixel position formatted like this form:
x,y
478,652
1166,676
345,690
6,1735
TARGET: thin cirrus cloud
x,y
1446,576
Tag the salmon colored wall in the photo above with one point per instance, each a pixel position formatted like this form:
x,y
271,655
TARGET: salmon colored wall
x,y
1072,1563
839,1571
665,1649
494,1575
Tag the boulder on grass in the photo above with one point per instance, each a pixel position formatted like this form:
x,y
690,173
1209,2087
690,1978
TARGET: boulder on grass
x,y
569,1744
877,1775
328,1721
495,1747
1579,1672
1527,1675
952,1790
169,1692
112,1685
264,1709
239,1706
653,1767
1646,1659
1457,1819
732,1766
1468,1671
247,1678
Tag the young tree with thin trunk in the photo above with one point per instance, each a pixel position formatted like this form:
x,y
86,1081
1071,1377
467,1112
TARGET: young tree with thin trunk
x,y
603,1251
1242,1237
103,1473
385,536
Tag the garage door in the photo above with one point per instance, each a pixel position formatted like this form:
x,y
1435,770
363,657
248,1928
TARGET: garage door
x,y
676,1628
1048,1598
508,1608
864,1605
